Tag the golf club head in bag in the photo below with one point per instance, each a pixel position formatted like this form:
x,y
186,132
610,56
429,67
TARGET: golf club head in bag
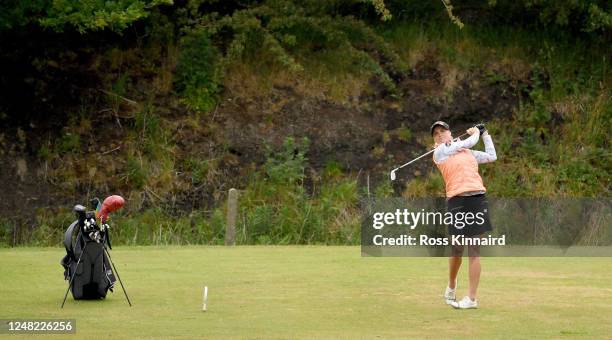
x,y
110,204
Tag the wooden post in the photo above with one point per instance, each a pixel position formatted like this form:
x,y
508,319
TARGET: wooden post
x,y
232,210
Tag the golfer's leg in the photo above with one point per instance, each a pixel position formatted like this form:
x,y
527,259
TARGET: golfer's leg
x,y
474,276
454,263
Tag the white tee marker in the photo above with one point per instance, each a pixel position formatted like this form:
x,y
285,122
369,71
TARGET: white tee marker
x,y
205,299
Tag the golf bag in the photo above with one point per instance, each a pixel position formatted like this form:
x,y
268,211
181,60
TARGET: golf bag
x,y
86,262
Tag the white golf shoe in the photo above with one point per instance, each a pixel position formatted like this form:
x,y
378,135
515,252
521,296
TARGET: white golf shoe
x,y
449,295
465,303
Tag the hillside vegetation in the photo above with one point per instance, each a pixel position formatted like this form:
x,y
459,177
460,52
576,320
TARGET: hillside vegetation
x,y
304,106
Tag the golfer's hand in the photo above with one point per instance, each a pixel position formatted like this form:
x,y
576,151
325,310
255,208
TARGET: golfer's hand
x,y
472,130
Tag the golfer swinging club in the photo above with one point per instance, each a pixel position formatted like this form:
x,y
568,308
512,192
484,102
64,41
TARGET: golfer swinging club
x,y
465,193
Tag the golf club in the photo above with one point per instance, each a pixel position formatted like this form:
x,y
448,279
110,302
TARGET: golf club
x,y
416,159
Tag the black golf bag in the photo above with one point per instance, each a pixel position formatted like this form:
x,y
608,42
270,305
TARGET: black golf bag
x,y
86,261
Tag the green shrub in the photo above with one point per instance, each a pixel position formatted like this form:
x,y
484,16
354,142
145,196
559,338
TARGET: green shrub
x,y
69,142
404,133
6,232
276,208
136,175
198,73
97,15
287,165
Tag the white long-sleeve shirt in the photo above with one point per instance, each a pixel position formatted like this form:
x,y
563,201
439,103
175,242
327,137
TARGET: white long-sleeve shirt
x,y
444,151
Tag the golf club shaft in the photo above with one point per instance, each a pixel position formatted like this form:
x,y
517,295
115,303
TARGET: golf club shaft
x,y
416,159
425,154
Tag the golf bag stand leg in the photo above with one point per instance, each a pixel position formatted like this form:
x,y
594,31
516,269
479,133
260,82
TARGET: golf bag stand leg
x,y
118,277
72,277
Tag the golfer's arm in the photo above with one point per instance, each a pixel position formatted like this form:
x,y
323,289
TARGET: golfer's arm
x,y
443,151
489,155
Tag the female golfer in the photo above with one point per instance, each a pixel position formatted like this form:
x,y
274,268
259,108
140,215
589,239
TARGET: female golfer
x,y
465,193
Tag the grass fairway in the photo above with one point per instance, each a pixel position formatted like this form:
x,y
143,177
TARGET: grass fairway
x,y
288,292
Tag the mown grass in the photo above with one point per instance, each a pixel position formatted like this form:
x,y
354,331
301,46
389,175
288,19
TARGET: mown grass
x,y
312,292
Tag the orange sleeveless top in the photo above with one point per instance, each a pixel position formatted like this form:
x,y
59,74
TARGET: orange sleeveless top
x,y
460,173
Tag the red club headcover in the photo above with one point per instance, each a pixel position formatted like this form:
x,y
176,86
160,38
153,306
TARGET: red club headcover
x,y
110,204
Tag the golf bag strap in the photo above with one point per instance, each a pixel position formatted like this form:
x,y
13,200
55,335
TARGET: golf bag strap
x,y
68,238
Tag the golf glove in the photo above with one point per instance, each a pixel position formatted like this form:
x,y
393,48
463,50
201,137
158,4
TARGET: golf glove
x,y
481,127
